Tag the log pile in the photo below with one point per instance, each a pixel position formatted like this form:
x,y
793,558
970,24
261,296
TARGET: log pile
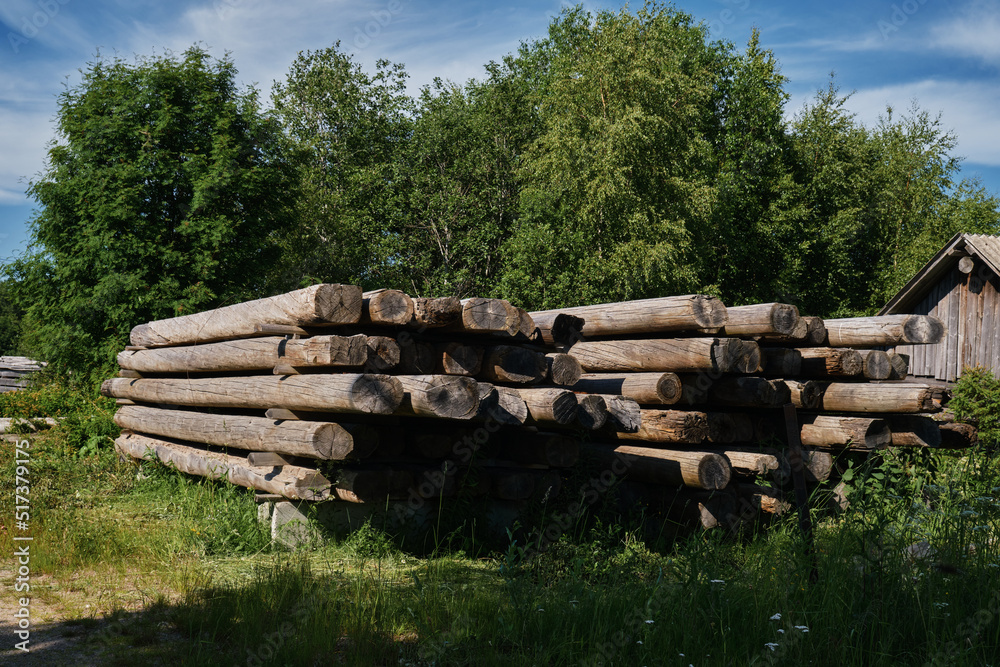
x,y
15,371
333,394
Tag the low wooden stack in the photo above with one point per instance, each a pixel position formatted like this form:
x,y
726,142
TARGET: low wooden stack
x,y
328,393
14,372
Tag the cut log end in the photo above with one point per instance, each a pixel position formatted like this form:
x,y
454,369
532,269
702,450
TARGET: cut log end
x,y
713,472
709,312
377,394
923,329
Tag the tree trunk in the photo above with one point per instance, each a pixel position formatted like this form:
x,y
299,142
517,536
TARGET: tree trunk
x,y
671,313
493,316
319,304
777,319
875,364
555,326
700,470
644,388
592,411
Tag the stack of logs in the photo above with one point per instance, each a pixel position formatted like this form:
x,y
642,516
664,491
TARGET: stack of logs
x,y
14,372
328,393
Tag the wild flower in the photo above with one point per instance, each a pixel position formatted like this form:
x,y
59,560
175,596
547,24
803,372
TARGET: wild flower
x,y
717,581
771,645
802,628
776,617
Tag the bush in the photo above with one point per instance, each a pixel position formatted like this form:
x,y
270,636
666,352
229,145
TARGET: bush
x,y
977,401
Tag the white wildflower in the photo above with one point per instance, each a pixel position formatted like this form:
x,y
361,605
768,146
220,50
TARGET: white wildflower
x,y
648,621
802,628
776,617
771,645
780,631
717,581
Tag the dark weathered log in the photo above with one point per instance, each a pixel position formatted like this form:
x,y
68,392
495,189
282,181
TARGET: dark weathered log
x,y
320,440
371,485
671,313
826,432
723,355
442,396
592,411
818,465
644,388
249,354
516,365
346,392
669,426
884,330
700,470
494,316
319,304
807,395
748,391
383,354
889,397
563,369
386,307
779,319
415,358
458,358
900,366
623,413
875,364
501,405
810,331
511,484
958,436
758,461
558,327
549,405
526,327
766,499
914,431
292,482
436,312
549,449
811,362
729,427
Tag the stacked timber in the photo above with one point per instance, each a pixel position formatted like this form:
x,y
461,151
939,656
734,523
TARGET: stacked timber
x,y
333,394
15,372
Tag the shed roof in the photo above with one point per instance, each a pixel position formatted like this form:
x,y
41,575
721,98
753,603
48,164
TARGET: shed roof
x,y
981,246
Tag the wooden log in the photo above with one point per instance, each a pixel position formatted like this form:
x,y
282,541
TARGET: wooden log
x,y
562,369
458,359
807,395
884,330
623,413
548,449
318,440
748,391
491,316
817,465
875,364
826,432
729,427
558,327
319,304
889,397
526,327
766,499
268,459
249,354
129,374
759,462
958,436
900,366
914,431
386,307
436,312
346,392
669,426
700,470
501,405
671,313
723,355
644,388
549,405
292,482
383,354
592,411
415,357
811,362
779,319
810,331
516,365
371,485
440,396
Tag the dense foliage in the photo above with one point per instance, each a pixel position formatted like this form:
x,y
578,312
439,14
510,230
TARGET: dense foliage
x,y
622,155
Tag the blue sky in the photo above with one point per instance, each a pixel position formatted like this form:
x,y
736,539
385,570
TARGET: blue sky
x,y
944,55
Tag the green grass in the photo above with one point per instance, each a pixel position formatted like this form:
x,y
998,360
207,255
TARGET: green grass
x,y
210,590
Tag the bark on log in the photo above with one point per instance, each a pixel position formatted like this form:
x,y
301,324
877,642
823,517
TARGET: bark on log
x,y
292,482
671,313
644,388
249,354
889,397
778,319
700,470
318,440
346,392
592,411
458,359
875,364
863,433
549,405
558,327
440,396
415,358
319,304
914,431
386,307
669,426
900,366
884,330
724,355
436,312
516,365
563,369
958,436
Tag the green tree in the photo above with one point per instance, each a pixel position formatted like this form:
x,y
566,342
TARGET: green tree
x,y
165,193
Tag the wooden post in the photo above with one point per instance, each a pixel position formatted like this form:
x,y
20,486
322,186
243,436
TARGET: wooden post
x,y
503,405
644,388
458,359
875,364
806,395
723,355
494,316
811,362
319,304
592,411
762,318
671,313
558,327
900,364
623,413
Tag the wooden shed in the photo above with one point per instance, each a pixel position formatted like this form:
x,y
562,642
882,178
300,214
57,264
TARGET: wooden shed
x,y
961,286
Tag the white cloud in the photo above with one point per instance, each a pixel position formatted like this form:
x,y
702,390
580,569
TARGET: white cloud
x,y
974,33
